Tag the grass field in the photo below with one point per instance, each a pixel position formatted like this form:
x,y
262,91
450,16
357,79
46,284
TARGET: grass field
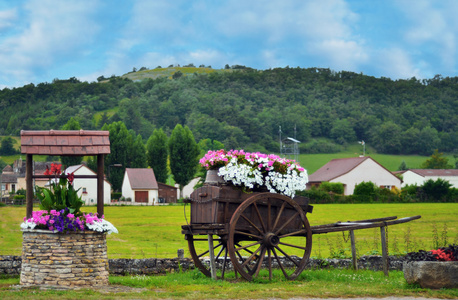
x,y
155,231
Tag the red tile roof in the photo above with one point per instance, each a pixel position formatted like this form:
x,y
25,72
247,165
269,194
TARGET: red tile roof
x,y
65,142
435,172
141,179
336,168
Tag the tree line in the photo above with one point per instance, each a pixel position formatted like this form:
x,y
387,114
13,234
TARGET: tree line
x,y
245,107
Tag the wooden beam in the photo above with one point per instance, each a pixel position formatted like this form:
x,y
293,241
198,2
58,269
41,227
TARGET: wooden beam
x,y
100,167
29,185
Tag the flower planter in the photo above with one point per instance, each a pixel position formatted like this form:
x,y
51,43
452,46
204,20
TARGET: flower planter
x,y
74,259
432,274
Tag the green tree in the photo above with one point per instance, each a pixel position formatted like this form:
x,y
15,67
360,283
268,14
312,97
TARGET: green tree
x,y
403,166
436,190
7,147
138,153
157,153
120,145
68,161
437,161
387,138
184,155
342,132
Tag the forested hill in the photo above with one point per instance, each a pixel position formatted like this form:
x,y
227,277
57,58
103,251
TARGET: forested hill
x,y
244,108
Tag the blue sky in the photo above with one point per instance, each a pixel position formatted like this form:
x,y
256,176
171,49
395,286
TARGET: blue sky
x,y
41,40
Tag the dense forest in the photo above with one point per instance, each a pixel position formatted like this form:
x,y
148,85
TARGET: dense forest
x,y
245,108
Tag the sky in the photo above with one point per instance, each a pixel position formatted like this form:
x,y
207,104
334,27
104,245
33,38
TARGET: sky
x,y
41,40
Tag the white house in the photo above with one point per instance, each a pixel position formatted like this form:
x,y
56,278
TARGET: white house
x,y
88,186
353,171
140,186
419,176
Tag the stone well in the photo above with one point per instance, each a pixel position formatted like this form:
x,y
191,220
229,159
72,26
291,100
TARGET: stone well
x,y
74,259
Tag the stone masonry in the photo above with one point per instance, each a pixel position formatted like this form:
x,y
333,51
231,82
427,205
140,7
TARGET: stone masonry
x,y
74,259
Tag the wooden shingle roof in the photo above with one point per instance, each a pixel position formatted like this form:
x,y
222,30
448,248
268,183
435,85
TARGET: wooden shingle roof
x,y
65,142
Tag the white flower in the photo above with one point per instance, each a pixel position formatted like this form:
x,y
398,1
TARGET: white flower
x,y
28,225
102,226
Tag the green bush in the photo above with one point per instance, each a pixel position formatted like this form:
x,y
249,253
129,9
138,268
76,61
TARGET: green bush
x,y
365,191
19,197
116,196
334,187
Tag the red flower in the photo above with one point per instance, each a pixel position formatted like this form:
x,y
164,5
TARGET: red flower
x,y
47,172
71,176
56,168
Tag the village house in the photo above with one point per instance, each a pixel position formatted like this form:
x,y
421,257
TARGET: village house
x,y
420,176
13,178
140,186
88,186
352,171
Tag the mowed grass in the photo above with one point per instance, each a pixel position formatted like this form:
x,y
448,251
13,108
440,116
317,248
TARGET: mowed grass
x,y
155,231
193,285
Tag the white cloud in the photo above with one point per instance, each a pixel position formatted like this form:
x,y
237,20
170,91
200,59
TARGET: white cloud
x,y
49,29
433,29
7,18
396,63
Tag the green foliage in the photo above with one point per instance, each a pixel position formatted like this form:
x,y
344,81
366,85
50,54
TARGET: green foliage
x,y
437,190
403,166
116,162
243,107
334,187
365,191
437,161
184,155
157,154
7,147
59,197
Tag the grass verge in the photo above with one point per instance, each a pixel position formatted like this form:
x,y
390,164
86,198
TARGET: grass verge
x,y
193,285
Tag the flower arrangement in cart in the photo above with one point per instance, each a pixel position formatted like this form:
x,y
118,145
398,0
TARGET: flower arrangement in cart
x,y
60,208
254,170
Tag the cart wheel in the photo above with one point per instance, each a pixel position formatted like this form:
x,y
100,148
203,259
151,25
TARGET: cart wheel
x,y
269,230
198,248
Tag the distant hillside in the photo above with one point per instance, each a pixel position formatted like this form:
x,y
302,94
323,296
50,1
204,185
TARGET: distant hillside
x,y
245,108
168,72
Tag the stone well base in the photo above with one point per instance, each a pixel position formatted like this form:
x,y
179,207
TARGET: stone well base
x,y
64,259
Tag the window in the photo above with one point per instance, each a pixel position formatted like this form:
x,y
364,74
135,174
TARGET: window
x,y
84,190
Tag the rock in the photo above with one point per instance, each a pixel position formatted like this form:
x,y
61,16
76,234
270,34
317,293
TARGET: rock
x,y
432,274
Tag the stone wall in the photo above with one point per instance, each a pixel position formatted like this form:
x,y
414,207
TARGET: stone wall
x,y
68,259
12,264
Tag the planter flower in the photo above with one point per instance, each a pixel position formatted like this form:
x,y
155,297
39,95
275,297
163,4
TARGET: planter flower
x,y
60,208
256,170
433,269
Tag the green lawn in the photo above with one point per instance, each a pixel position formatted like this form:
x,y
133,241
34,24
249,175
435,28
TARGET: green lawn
x,y
155,231
193,285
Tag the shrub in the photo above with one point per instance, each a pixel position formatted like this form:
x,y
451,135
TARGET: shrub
x,y
334,187
116,196
365,191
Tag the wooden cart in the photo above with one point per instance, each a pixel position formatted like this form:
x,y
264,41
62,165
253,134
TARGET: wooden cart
x,y
255,231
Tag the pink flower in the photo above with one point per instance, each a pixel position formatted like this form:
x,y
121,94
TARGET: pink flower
x,y
70,216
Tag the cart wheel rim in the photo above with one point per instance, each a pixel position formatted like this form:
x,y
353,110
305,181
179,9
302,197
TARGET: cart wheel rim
x,y
268,230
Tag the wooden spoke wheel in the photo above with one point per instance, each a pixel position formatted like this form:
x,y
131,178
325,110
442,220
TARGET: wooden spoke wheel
x,y
198,248
272,231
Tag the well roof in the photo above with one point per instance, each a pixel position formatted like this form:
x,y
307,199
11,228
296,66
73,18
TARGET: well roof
x,y
65,142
